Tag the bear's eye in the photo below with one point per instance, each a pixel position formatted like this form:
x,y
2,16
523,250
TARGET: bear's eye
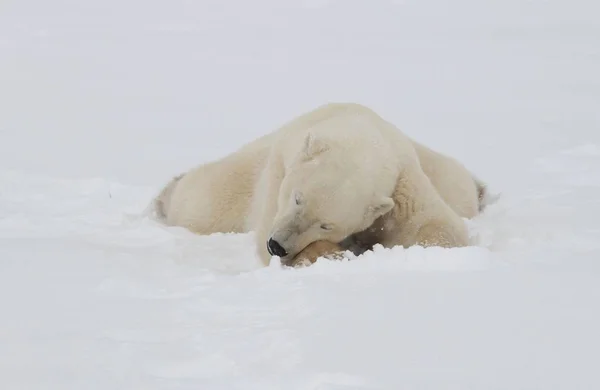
x,y
326,226
298,198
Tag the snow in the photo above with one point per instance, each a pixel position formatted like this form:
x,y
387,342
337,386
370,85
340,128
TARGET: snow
x,y
102,102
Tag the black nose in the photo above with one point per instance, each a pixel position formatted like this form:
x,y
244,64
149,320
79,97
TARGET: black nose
x,y
275,249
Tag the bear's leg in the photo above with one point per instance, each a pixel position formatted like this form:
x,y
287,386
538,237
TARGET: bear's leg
x,y
438,233
317,249
422,217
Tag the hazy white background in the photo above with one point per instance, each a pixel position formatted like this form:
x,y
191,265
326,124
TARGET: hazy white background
x,y
101,102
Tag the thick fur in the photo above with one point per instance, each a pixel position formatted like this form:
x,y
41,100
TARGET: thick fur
x,y
328,174
164,198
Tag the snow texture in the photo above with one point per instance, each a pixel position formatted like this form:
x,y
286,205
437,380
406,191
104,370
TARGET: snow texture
x,y
101,102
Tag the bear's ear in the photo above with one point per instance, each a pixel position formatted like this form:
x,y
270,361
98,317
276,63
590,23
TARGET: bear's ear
x,y
313,147
381,207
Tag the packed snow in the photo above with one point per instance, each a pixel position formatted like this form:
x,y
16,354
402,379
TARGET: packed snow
x,y
101,102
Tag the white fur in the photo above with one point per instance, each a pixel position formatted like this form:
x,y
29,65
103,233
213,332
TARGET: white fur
x,y
325,175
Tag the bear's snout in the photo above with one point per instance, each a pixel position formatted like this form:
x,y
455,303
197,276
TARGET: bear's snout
x,y
275,249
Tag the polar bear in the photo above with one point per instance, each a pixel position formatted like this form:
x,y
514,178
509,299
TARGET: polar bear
x,y
325,176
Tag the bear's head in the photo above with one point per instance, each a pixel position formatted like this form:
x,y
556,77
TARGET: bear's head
x,y
325,195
